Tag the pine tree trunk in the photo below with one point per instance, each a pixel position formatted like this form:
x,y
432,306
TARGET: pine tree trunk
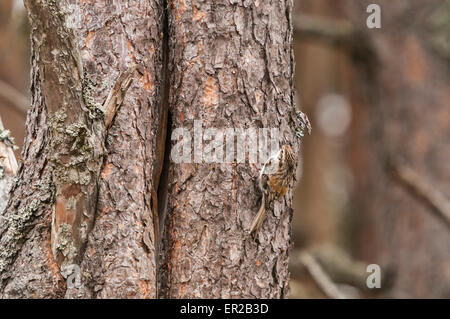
x,y
97,192
231,67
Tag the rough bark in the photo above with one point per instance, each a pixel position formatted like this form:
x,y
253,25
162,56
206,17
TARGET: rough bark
x,y
405,103
231,67
96,182
87,188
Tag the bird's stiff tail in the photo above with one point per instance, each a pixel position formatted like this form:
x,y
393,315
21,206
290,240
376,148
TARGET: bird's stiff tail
x,y
259,218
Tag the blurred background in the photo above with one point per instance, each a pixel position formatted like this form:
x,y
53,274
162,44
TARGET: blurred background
x,y
375,181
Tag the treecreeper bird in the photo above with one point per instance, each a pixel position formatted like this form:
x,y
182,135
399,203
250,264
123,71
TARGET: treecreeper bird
x,y
274,179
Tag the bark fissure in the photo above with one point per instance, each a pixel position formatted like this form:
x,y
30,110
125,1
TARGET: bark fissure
x,y
161,260
163,151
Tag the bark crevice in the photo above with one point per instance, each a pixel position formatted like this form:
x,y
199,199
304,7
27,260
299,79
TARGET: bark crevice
x,y
163,141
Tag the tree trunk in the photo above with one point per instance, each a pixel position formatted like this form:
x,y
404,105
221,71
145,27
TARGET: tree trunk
x,y
231,68
84,192
81,219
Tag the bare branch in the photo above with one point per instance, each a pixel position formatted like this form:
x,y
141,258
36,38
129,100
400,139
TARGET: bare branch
x,y
423,189
341,268
19,101
336,32
322,279
332,31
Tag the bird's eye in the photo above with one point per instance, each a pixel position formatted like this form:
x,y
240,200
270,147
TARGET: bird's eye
x,y
269,162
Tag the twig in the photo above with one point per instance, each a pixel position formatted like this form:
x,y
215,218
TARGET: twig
x,y
320,277
421,188
19,101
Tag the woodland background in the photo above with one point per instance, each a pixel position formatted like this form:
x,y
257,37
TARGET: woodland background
x,y
375,177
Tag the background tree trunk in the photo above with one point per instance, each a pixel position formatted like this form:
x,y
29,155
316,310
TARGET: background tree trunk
x,y
404,105
231,67
378,190
14,69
